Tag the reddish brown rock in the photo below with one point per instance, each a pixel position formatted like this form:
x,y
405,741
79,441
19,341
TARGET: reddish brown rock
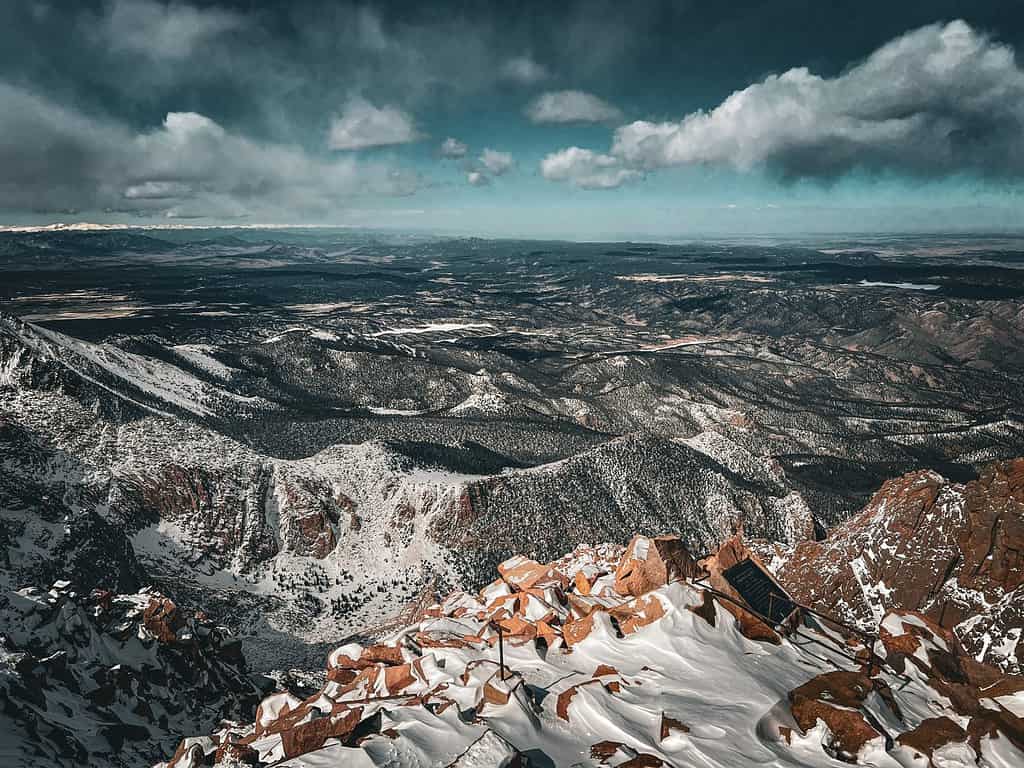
x,y
637,613
670,724
547,632
563,702
926,541
971,686
733,551
604,750
517,629
365,680
649,563
750,626
495,692
306,737
577,629
310,511
341,675
163,619
582,583
643,760
241,754
706,609
522,573
397,679
381,654
316,536
369,656
931,734
186,756
585,606
1000,723
836,698
206,504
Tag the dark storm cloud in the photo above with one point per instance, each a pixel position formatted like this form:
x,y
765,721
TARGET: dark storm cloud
x,y
164,32
249,107
274,65
54,158
172,107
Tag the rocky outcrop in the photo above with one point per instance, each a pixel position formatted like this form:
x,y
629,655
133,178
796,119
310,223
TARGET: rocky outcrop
x,y
616,655
733,551
953,551
838,700
650,562
861,713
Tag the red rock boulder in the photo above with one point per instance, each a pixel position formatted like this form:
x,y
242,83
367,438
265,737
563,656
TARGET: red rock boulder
x,y
649,563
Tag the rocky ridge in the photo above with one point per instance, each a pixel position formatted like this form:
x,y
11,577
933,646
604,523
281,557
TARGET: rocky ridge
x,y
627,657
953,551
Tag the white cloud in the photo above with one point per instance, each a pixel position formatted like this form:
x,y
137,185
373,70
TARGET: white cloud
x,y
938,100
158,190
496,162
452,147
362,125
586,169
523,69
477,179
54,158
571,107
164,31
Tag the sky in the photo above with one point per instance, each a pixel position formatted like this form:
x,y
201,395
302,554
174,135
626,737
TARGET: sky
x,y
581,120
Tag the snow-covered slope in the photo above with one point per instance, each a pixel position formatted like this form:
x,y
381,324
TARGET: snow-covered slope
x,y
148,383
116,475
108,680
628,658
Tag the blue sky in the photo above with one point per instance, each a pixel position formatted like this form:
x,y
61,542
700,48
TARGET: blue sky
x,y
583,120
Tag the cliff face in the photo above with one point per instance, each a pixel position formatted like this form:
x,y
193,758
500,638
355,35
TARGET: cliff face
x,y
954,552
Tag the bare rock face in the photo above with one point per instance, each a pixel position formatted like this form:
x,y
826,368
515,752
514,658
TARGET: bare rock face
x,y
860,708
979,693
309,513
953,551
220,509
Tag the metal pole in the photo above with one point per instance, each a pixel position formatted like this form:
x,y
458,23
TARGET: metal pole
x,y
501,652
